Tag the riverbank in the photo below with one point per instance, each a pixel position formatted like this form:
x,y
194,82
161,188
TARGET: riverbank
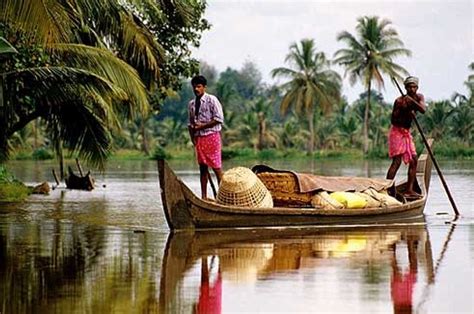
x,y
442,152
12,190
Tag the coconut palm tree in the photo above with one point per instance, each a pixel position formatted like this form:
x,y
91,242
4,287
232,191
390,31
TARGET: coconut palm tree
x,y
80,100
105,55
311,84
370,54
436,120
463,122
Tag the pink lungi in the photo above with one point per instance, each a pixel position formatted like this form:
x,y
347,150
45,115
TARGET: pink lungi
x,y
400,142
208,150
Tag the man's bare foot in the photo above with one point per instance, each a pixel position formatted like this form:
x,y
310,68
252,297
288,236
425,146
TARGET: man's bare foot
x,y
411,195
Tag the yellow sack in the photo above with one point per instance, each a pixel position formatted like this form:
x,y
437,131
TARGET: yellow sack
x,y
350,200
322,199
384,199
371,202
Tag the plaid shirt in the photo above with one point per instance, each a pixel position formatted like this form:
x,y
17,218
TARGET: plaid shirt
x,y
211,109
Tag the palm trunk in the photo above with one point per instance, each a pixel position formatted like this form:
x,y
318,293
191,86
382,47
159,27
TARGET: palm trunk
x,y
261,130
366,122
35,134
311,134
3,131
145,147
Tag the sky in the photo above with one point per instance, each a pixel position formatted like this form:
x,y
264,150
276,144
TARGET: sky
x,y
439,34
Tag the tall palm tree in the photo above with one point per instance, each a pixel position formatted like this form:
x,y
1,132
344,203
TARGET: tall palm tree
x,y
311,84
370,54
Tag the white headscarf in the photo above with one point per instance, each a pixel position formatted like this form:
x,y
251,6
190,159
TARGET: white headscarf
x,y
411,79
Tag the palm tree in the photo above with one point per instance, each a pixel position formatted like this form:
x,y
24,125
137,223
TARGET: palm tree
x,y
312,83
80,100
291,133
437,119
106,54
463,122
347,125
263,109
369,55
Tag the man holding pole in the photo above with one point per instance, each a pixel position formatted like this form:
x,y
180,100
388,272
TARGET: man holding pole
x,y
400,142
205,124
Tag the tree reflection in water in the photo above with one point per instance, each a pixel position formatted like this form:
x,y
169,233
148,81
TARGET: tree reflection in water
x,y
66,267
248,256
59,267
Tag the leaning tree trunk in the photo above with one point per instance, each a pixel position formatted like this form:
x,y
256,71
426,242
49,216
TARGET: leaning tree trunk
x,y
366,122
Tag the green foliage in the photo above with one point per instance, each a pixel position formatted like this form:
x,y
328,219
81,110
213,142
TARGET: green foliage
x,y
5,176
160,153
11,190
78,83
85,66
231,153
267,154
42,154
312,84
368,55
454,150
378,152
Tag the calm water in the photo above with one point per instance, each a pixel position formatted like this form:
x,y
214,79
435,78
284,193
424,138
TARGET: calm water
x,y
110,251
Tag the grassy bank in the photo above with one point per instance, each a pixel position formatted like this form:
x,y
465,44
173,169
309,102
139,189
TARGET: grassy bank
x,y
442,151
11,190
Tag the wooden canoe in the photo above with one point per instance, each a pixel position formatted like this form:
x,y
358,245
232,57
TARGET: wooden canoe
x,y
185,210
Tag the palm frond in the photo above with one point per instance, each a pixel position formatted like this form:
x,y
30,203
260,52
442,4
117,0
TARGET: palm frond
x,y
103,63
45,21
6,47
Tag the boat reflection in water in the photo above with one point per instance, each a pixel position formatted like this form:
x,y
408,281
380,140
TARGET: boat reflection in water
x,y
326,270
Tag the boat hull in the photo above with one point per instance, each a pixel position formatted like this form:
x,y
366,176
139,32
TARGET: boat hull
x,y
184,210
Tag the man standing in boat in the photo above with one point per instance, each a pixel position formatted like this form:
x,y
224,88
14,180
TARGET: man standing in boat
x,y
205,123
400,142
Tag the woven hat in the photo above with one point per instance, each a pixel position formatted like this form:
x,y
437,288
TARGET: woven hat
x,y
241,187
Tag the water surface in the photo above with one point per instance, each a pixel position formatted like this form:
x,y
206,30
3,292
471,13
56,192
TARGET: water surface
x,y
110,251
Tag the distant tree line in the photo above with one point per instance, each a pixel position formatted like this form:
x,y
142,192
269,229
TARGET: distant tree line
x,y
108,75
258,118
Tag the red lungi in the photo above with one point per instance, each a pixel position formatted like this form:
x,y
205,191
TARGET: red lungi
x,y
400,142
208,150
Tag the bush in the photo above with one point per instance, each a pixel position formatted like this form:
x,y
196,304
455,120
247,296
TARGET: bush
x,y
378,152
229,153
5,176
160,153
42,154
453,150
13,192
267,154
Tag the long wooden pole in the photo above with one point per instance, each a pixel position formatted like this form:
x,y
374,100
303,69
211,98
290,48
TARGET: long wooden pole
x,y
430,152
213,187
